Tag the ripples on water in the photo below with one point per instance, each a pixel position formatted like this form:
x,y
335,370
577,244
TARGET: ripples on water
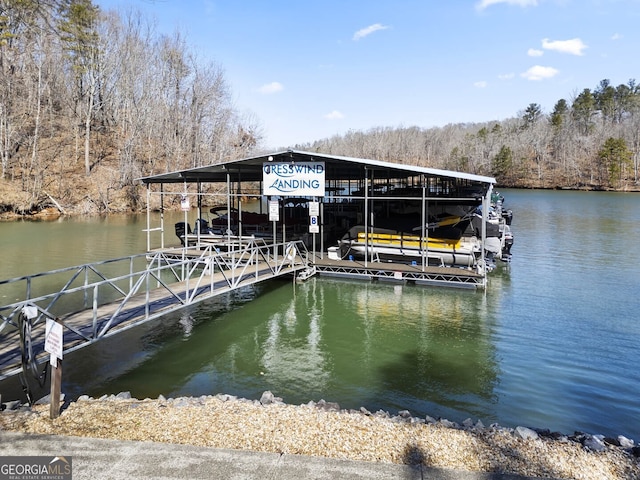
x,y
552,343
570,328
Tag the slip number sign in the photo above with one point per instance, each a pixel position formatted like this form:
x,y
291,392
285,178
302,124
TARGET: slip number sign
x,y
314,227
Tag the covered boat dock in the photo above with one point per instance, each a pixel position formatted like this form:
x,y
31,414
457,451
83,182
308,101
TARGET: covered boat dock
x,y
357,218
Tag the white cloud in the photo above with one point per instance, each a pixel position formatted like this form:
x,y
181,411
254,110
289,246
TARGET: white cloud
x,y
481,84
616,36
482,4
506,76
575,46
334,115
538,72
534,52
269,88
363,32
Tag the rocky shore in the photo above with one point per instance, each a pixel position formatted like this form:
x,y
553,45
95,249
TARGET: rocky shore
x,y
323,429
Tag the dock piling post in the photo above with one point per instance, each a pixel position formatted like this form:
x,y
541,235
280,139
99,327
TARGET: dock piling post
x,y
56,386
53,344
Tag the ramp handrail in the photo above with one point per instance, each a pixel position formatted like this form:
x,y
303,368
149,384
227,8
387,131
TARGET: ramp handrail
x,y
196,274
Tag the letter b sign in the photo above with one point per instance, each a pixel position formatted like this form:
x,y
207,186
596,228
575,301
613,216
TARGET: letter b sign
x,y
314,227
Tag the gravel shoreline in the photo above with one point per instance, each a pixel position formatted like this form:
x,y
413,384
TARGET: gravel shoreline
x,y
323,429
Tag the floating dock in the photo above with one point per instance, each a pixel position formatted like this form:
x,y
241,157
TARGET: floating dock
x,y
400,273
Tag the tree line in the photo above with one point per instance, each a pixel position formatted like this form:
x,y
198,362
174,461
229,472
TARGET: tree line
x,y
591,141
92,100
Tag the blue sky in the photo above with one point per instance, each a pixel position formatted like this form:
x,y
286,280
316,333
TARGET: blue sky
x,y
310,69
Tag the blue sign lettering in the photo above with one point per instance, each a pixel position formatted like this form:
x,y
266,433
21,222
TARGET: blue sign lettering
x,y
293,178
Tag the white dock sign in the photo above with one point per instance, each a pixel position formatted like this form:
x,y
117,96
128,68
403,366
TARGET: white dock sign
x,y
293,179
53,340
313,224
274,211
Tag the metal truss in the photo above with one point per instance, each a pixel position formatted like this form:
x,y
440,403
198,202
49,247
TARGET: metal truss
x,y
96,300
444,277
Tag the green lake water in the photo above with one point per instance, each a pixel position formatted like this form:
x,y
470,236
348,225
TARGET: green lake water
x,y
551,343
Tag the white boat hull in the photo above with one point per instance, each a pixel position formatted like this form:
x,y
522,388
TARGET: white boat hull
x,y
457,259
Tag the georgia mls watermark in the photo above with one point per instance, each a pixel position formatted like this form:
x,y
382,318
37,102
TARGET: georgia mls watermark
x,y
35,468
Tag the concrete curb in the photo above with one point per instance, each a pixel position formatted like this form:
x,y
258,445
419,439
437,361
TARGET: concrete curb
x,y
112,459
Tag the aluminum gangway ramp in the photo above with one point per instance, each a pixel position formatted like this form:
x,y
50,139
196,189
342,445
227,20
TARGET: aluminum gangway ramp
x,y
97,300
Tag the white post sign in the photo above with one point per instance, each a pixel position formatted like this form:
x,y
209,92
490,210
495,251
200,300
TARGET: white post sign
x,y
53,341
314,227
184,204
314,211
274,211
305,179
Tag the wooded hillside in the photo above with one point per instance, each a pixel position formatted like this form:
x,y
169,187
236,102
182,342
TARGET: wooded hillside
x,y
591,141
90,101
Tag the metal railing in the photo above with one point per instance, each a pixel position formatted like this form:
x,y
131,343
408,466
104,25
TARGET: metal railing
x,y
93,301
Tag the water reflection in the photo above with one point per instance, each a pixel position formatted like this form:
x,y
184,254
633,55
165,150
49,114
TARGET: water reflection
x,y
186,322
359,344
292,352
431,350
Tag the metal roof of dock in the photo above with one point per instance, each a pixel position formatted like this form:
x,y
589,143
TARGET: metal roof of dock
x,y
336,168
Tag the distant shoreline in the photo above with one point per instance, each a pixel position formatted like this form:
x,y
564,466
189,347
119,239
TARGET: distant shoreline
x,y
48,212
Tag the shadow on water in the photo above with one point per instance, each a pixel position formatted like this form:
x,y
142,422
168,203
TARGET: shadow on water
x,y
169,353
449,367
443,385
